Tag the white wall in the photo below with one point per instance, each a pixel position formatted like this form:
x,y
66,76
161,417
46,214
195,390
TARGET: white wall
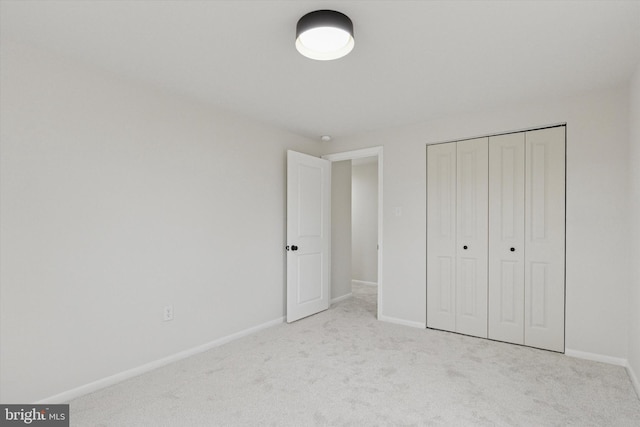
x,y
598,241
634,166
118,200
340,229
364,218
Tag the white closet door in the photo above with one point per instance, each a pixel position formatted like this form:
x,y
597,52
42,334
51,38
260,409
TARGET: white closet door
x,y
441,236
506,237
545,238
471,236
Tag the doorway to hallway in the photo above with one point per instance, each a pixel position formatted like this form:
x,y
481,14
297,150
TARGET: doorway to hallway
x,y
364,229
357,224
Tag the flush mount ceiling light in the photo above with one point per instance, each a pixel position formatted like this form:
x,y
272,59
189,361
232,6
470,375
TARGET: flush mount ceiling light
x,y
324,35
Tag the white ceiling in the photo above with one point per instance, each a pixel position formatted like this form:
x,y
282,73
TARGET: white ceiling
x,y
413,60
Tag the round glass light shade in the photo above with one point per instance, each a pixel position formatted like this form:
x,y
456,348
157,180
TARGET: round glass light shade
x,y
324,35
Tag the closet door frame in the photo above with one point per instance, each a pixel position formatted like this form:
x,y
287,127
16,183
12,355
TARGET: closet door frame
x,y
544,289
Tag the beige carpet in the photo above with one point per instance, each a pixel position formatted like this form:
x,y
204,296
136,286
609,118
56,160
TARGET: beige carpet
x,y
343,367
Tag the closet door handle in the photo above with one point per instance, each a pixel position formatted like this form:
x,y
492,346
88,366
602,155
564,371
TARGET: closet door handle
x,y
294,248
512,249
464,247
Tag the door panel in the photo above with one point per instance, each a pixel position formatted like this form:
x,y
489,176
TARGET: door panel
x,y
468,279
506,237
309,278
472,238
441,241
545,238
310,201
511,307
445,283
538,296
308,234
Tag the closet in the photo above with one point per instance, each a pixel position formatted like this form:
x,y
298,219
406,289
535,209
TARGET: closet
x,y
496,237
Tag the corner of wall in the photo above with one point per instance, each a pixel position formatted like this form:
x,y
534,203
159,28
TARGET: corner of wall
x,y
634,196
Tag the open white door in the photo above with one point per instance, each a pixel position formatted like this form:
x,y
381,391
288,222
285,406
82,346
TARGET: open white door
x,y
308,233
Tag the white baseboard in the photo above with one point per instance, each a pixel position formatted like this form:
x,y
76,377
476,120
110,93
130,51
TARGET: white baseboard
x,y
610,360
634,379
402,322
596,357
343,297
362,282
68,395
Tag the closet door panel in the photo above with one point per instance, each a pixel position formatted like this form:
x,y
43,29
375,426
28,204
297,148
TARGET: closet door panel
x,y
441,236
471,236
545,238
506,237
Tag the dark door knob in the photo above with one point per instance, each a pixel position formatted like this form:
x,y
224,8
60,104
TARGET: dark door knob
x,y
464,247
294,248
512,249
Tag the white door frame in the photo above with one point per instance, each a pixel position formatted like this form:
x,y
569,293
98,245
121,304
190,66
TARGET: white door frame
x,y
360,154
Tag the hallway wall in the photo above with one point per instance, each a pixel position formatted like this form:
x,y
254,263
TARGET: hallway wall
x,y
364,202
